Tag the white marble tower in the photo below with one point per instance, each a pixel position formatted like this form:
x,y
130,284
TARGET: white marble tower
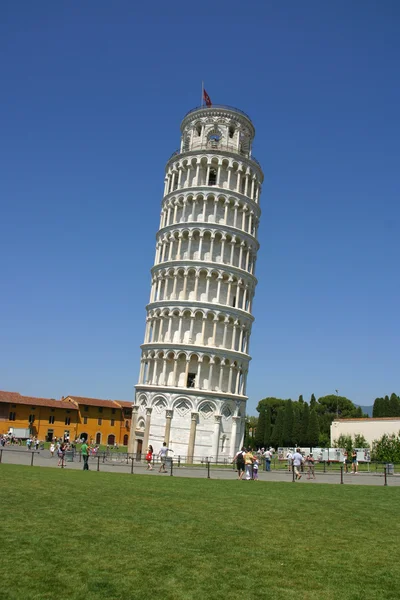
x,y
195,356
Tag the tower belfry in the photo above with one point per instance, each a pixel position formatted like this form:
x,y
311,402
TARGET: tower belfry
x,y
191,391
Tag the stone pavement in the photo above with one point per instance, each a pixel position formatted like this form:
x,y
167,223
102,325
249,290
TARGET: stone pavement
x,y
21,456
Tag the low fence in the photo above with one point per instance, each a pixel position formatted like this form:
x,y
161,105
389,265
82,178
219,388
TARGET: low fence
x,y
133,463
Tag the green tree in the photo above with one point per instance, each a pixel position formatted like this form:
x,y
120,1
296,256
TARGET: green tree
x,y
313,429
287,433
344,441
277,431
260,431
360,441
301,398
274,403
297,436
394,406
313,401
386,407
378,408
304,425
268,427
387,449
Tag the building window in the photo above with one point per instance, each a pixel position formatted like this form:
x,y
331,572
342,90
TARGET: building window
x,y
33,407
85,408
127,412
113,410
212,178
231,132
112,422
68,411
11,416
52,410
191,380
31,418
51,420
99,421
100,409
68,420
13,405
198,129
85,420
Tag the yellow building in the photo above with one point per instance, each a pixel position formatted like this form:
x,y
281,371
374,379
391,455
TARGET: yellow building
x,y
99,421
46,418
102,421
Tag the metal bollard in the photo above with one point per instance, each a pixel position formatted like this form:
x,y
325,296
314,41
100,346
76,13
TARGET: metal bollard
x,y
104,457
132,465
171,467
179,460
341,475
98,462
1,455
208,470
80,456
324,466
293,475
385,471
32,459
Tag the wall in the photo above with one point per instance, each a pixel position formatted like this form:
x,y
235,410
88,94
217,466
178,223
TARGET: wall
x,y
371,429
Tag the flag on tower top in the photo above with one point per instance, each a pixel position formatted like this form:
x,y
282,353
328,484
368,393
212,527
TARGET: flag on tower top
x,y
207,99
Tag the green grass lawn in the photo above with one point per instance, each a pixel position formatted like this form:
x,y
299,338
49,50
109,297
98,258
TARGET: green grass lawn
x,y
94,536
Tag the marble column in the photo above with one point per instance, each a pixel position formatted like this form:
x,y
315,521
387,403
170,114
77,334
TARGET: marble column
x,y
192,436
131,442
215,439
168,419
233,449
147,428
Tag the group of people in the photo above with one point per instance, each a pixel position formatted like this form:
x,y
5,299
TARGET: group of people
x,y
354,461
162,454
247,462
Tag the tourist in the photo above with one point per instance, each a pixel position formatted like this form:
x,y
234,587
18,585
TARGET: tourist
x,y
61,454
354,462
255,469
52,448
268,458
163,458
239,458
85,455
311,467
149,457
345,461
248,461
297,461
289,458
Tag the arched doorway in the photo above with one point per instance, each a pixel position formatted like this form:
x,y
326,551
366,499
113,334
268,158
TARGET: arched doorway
x,y
98,438
126,439
139,449
111,439
83,437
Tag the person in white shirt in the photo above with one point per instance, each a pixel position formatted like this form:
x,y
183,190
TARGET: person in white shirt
x,y
289,457
297,462
268,457
163,458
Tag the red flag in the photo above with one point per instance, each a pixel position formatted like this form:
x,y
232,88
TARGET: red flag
x,y
207,98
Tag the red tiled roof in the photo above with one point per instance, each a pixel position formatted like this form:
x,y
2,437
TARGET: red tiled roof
x,y
370,419
16,398
98,402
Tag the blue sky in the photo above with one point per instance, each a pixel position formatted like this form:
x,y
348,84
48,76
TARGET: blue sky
x,y
92,98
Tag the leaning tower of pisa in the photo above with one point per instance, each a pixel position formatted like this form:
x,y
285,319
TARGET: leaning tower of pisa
x,y
195,356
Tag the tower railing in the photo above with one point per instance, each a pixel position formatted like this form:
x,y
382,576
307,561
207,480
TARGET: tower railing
x,y
222,147
223,106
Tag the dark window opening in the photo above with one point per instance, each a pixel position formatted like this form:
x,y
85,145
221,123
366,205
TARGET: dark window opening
x,y
112,422
51,420
191,380
52,410
234,301
99,421
85,420
31,418
100,409
68,420
113,411
85,408
33,407
198,129
212,178
11,416
231,132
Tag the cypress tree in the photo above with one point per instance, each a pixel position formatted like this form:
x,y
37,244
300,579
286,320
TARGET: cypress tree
x,y
277,432
313,429
313,401
288,424
301,398
377,410
386,407
268,427
297,437
394,406
260,431
304,425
